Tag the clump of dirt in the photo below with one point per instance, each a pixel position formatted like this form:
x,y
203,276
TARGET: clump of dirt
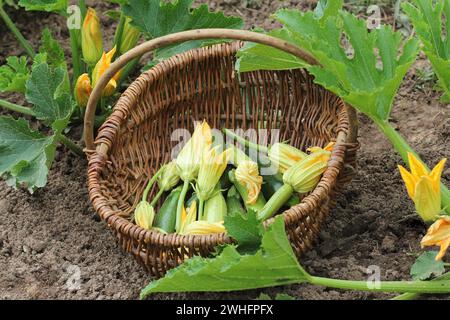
x,y
53,246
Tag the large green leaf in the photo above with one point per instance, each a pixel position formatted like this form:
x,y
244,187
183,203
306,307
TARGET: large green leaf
x,y
25,155
155,19
14,74
426,266
247,231
262,57
44,5
427,20
49,90
273,265
356,76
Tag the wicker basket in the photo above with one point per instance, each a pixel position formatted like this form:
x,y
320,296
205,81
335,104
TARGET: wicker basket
x,y
202,84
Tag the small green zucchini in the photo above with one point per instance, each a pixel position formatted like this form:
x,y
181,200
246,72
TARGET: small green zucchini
x,y
166,217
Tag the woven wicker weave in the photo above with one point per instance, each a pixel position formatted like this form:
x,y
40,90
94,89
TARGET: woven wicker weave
x,y
202,84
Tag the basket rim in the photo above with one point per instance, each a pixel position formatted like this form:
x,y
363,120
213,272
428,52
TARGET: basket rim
x,y
108,131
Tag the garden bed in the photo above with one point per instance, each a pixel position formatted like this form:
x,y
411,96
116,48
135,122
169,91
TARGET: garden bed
x,y
47,236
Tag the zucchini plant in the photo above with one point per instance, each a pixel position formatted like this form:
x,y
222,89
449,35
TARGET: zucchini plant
x,y
57,93
427,19
366,75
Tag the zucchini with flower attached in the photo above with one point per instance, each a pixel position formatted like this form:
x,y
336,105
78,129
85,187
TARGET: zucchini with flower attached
x,y
246,179
212,166
144,213
251,203
188,162
281,155
271,184
303,177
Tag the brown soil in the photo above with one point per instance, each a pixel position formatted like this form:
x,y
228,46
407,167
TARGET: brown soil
x,y
42,236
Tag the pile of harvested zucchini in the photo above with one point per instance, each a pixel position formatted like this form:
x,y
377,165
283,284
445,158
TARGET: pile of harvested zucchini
x,y
207,181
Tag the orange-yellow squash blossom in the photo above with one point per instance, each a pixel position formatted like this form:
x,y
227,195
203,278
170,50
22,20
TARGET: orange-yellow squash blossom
x,y
130,37
83,90
283,156
100,68
247,174
438,235
424,188
91,38
305,175
190,157
212,165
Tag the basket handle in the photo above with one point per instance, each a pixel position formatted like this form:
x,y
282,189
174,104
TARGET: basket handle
x,y
174,38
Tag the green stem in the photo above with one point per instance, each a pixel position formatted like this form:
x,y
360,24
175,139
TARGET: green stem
x,y
71,145
156,198
76,56
83,7
384,286
201,205
103,105
403,148
119,33
413,296
150,185
276,202
245,142
180,204
10,24
16,108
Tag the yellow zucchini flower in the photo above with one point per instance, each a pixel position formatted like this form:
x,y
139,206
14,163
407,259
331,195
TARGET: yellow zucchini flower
x,y
247,174
91,38
100,68
305,175
130,37
424,188
189,158
212,166
169,176
144,215
438,235
284,156
204,227
329,147
83,90
188,217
